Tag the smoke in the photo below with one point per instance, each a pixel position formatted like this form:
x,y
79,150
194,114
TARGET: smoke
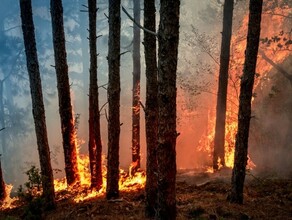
x,y
200,27
270,134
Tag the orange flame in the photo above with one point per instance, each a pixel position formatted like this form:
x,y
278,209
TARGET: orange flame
x,y
271,27
8,201
127,181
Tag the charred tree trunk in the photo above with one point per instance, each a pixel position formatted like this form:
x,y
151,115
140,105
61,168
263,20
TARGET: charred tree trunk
x,y
95,146
151,109
168,37
38,108
65,108
244,113
136,89
222,87
112,187
2,185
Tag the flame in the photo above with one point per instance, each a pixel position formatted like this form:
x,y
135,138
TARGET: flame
x,y
127,182
271,28
8,202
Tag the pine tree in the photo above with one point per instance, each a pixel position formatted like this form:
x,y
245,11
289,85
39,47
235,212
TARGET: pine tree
x,y
95,147
244,113
168,37
38,109
151,108
112,187
2,185
136,89
222,86
65,108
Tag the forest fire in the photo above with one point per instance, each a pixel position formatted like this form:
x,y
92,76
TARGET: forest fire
x,y
181,182
8,202
276,44
127,182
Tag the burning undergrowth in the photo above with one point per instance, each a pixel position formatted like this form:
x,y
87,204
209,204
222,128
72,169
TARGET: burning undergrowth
x,y
79,192
200,196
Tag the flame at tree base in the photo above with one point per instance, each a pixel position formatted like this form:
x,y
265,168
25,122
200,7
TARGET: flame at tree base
x,y
82,191
8,201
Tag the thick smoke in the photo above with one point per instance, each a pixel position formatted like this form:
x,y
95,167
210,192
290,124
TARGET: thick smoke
x,y
200,27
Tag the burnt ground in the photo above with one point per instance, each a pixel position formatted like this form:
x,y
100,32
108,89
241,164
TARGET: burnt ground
x,y
199,196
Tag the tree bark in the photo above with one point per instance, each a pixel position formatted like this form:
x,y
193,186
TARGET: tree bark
x,y
112,188
2,186
65,108
244,113
151,109
2,119
136,89
222,86
168,37
38,108
95,146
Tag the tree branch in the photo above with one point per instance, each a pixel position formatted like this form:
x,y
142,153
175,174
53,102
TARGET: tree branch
x,y
276,66
103,106
143,107
141,27
124,52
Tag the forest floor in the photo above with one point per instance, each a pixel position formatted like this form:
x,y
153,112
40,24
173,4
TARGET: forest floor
x,y
199,196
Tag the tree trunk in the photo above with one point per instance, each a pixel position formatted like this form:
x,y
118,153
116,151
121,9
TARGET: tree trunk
x,y
112,188
151,109
38,108
2,119
65,108
136,89
222,87
168,38
244,113
95,146
2,186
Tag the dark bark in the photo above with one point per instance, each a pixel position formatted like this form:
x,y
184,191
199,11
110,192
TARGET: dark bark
x,y
222,86
151,109
38,109
95,146
2,186
2,119
168,37
136,89
65,108
244,113
83,19
112,188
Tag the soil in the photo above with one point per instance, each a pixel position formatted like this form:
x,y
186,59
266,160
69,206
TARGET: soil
x,y
199,196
